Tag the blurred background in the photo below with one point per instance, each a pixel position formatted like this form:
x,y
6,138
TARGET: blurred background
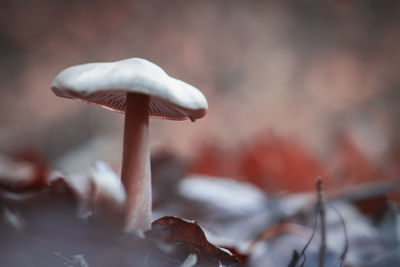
x,y
296,89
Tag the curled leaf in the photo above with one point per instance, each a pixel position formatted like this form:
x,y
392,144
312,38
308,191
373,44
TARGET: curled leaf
x,y
187,237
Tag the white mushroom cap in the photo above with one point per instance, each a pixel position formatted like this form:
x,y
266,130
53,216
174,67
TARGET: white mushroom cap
x,y
107,84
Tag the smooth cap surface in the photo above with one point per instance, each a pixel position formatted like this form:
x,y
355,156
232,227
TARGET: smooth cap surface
x,y
107,84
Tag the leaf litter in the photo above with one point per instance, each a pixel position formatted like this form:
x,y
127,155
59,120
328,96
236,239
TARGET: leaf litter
x,y
51,218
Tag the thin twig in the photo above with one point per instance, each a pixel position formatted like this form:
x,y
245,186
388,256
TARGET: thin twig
x,y
302,253
304,260
321,207
346,238
276,230
295,256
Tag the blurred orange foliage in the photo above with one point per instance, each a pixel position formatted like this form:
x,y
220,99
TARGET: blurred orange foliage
x,y
281,164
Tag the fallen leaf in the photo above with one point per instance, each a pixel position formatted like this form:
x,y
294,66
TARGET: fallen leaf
x,y
188,238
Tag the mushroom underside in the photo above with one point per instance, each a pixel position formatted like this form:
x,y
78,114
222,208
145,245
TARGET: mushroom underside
x,y
158,107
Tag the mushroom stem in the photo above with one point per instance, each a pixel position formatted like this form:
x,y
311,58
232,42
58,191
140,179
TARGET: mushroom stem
x,y
135,174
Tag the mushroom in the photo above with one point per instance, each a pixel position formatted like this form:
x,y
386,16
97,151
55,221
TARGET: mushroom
x,y
140,89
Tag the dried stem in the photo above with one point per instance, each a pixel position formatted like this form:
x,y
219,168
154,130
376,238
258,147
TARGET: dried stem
x,y
346,238
321,208
279,229
302,253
